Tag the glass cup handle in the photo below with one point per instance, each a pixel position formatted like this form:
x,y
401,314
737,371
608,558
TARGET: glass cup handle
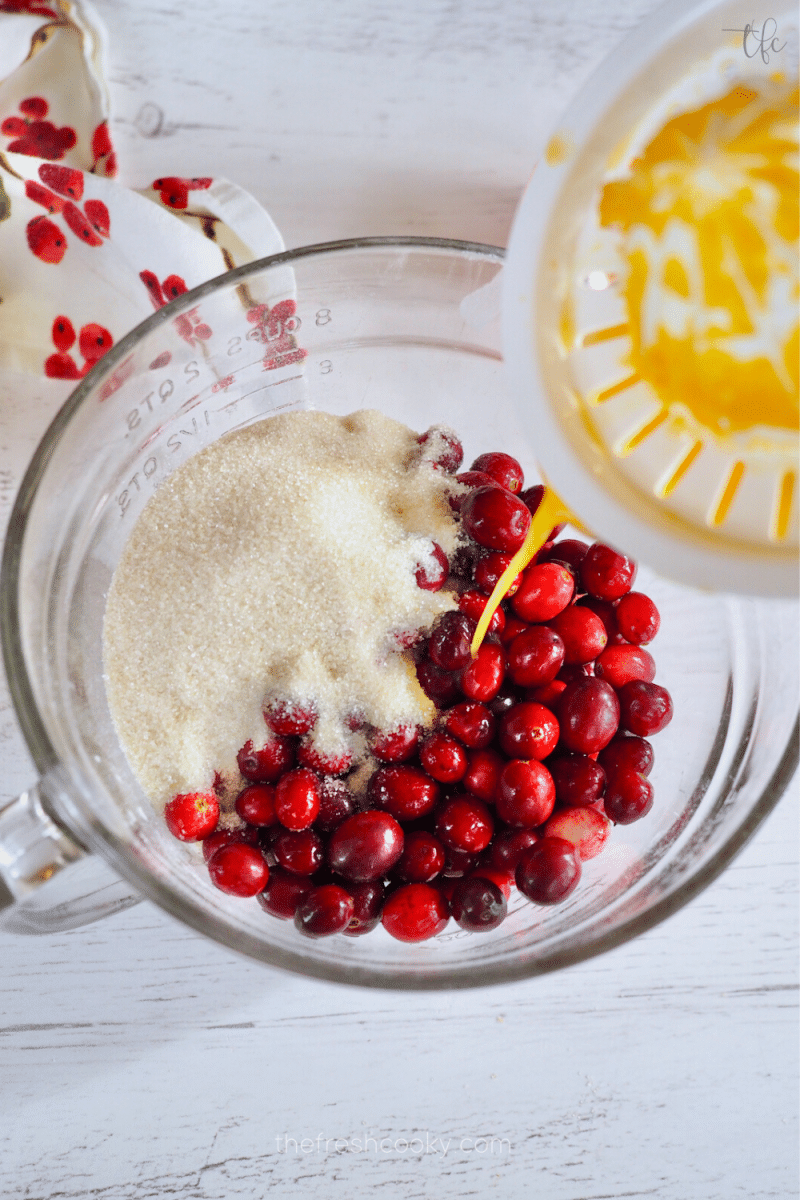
x,y
48,881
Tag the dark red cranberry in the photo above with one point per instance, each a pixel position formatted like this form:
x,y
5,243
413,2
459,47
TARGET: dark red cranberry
x,y
192,816
297,798
532,497
525,794
283,893
645,708
267,764
431,574
549,695
238,869
546,590
605,573
471,723
367,907
589,714
508,696
457,864
224,837
478,904
473,603
570,551
327,762
549,871
324,910
488,570
529,730
464,823
256,804
502,467
638,619
450,642
365,846
495,519
582,632
396,745
471,479
513,626
404,791
508,847
442,447
578,779
503,879
443,758
336,803
439,686
629,751
423,858
629,796
586,828
482,679
574,672
535,656
415,912
301,852
619,665
290,719
482,773
607,613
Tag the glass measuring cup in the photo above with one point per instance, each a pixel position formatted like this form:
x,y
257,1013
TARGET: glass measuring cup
x,y
408,326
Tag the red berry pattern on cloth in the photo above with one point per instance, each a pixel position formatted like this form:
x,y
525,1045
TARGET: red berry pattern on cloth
x,y
162,292
276,328
93,341
33,8
174,191
33,135
102,149
59,188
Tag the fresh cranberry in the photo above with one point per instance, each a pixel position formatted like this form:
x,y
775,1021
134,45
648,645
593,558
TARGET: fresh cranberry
x,y
450,642
619,665
638,618
471,723
488,570
442,447
546,590
470,479
503,879
512,627
549,872
574,672
290,719
443,758
238,869
607,613
422,859
439,686
404,791
549,695
324,910
570,551
629,796
482,773
588,714
645,708
365,846
605,573
395,745
495,519
367,907
502,467
578,779
525,794
327,762
529,730
297,799
336,803
586,828
473,603
457,864
464,823
267,764
582,632
535,656
415,912
224,837
483,677
431,574
256,804
192,816
283,893
478,904
508,847
627,751
532,497
300,852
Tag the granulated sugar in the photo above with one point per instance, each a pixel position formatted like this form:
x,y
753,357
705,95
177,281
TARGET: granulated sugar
x,y
279,563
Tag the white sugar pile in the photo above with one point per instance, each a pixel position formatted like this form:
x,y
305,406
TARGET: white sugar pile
x,y
277,563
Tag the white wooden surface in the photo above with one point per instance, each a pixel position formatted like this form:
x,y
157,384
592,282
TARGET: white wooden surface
x,y
137,1060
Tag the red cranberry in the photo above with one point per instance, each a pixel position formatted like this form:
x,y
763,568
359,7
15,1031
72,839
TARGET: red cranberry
x,y
532,497
300,852
290,719
327,762
336,803
478,904
439,686
549,695
631,752
629,796
483,773
450,642
488,570
482,679
512,627
508,696
473,603
588,713
404,791
442,447
586,828
472,723
582,632
396,745
574,672
471,479
431,574
365,846
443,758
525,794
495,519
503,879
192,816
502,467
457,864
549,871
638,618
607,613
324,910
508,847
283,893
578,779
267,764
570,551
645,708
224,837
422,859
535,657
297,799
256,804
546,590
238,869
529,730
605,573
464,823
415,912
367,907
619,665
